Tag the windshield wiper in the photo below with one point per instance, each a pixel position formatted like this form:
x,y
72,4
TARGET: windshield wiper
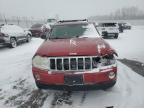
x,y
80,36
58,38
77,36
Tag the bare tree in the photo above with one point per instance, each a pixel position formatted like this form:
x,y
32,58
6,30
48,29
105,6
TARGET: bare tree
x,y
122,14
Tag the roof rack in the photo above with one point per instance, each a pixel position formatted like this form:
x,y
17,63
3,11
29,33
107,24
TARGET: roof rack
x,y
62,21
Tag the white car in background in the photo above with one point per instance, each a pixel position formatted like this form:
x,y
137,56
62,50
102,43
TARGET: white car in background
x,y
11,34
108,29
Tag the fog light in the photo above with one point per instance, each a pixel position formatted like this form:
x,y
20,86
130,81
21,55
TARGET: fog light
x,y
111,75
37,77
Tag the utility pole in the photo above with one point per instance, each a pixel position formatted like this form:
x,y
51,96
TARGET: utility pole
x,y
5,19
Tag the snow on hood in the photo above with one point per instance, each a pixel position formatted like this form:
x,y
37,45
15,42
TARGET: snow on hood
x,y
78,46
11,29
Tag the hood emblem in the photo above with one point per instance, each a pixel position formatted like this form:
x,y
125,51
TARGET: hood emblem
x,y
100,47
73,45
73,42
72,53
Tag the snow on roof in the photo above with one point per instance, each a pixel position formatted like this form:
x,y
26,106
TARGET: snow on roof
x,y
11,29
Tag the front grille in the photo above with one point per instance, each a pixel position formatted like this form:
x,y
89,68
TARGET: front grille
x,y
79,63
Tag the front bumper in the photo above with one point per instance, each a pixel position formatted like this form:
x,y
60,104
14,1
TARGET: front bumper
x,y
36,33
105,33
102,85
4,40
90,80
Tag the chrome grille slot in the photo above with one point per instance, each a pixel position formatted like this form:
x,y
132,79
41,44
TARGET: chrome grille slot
x,y
52,64
66,64
59,64
95,61
87,63
80,63
75,63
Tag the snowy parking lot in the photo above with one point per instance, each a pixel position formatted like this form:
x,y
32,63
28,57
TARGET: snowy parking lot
x,y
17,86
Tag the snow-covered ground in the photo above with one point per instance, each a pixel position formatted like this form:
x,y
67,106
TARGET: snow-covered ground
x,y
17,86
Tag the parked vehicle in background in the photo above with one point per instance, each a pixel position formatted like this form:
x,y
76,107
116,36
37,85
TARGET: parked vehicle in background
x,y
38,30
121,27
74,57
51,21
11,34
127,26
124,26
109,29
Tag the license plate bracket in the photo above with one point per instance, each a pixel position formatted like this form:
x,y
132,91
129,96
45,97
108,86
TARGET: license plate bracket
x,y
73,80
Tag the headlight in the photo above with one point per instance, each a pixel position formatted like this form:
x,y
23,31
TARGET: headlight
x,y
4,35
112,75
41,62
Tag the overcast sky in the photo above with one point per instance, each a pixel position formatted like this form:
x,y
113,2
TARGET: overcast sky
x,y
66,9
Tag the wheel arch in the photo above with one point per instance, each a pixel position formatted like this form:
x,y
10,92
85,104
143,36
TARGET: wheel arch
x,y
14,37
29,34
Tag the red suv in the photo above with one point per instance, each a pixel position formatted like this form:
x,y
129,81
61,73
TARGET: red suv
x,y
39,30
75,57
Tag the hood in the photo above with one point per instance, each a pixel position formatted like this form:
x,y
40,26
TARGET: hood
x,y
75,47
35,29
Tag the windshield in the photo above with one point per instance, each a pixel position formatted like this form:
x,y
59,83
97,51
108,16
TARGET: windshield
x,y
73,31
51,20
107,24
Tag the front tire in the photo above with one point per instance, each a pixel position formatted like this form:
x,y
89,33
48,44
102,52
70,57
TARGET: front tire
x,y
108,86
13,43
116,36
39,86
28,38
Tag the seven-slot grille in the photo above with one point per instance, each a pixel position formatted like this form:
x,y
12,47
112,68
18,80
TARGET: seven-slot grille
x,y
79,63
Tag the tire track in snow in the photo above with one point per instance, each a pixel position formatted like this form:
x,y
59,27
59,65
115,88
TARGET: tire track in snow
x,y
36,99
16,99
26,97
23,91
83,97
61,98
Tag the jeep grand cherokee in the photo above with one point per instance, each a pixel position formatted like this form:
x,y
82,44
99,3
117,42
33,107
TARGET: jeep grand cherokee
x,y
74,57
